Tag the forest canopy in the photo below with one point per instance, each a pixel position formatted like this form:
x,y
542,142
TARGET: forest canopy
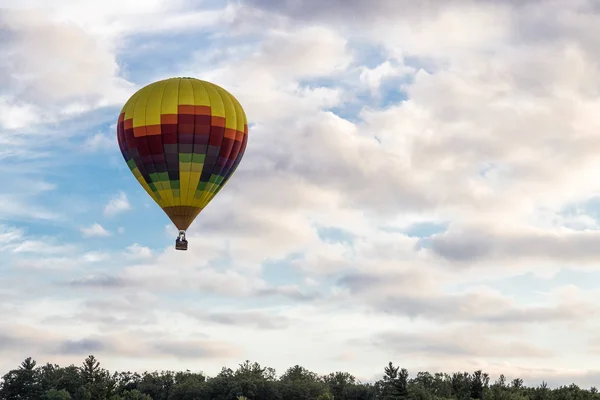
x,y
251,381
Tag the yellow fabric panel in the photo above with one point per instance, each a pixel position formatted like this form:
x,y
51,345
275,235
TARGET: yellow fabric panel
x,y
197,199
196,167
240,115
164,189
203,200
217,108
169,198
153,105
184,179
164,195
194,179
130,105
200,95
206,198
170,97
229,107
139,112
186,92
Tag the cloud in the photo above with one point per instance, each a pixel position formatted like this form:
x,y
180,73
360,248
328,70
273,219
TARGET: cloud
x,y
81,347
420,294
26,206
475,245
9,234
290,291
323,48
95,230
136,251
61,348
40,247
183,277
458,343
250,319
373,78
196,275
59,259
430,30
99,142
117,204
479,306
275,69
95,256
45,80
122,310
196,349
100,281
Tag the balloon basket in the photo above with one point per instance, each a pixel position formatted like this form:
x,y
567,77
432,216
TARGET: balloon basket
x,y
181,243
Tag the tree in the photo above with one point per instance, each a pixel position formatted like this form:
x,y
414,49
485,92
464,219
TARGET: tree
x,y
395,383
22,383
189,386
254,382
358,392
540,392
338,382
298,373
422,386
517,383
126,381
479,382
298,383
97,381
325,396
69,379
133,395
54,394
461,385
49,376
222,386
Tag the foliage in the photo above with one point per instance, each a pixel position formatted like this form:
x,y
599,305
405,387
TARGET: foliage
x,y
251,381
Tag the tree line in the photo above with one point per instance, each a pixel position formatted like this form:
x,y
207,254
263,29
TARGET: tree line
x,y
251,381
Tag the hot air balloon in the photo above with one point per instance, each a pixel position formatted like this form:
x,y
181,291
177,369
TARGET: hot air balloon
x,y
182,139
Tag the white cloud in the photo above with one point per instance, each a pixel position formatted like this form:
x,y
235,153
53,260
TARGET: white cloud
x,y
100,142
95,230
25,205
41,247
373,78
95,256
117,204
136,251
16,116
9,234
46,78
273,70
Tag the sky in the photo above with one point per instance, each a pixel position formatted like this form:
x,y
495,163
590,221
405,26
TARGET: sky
x,y
421,185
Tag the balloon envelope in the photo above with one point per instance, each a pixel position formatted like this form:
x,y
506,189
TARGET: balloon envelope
x,y
182,138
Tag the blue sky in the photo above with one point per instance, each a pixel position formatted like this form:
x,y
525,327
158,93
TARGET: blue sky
x,y
413,179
